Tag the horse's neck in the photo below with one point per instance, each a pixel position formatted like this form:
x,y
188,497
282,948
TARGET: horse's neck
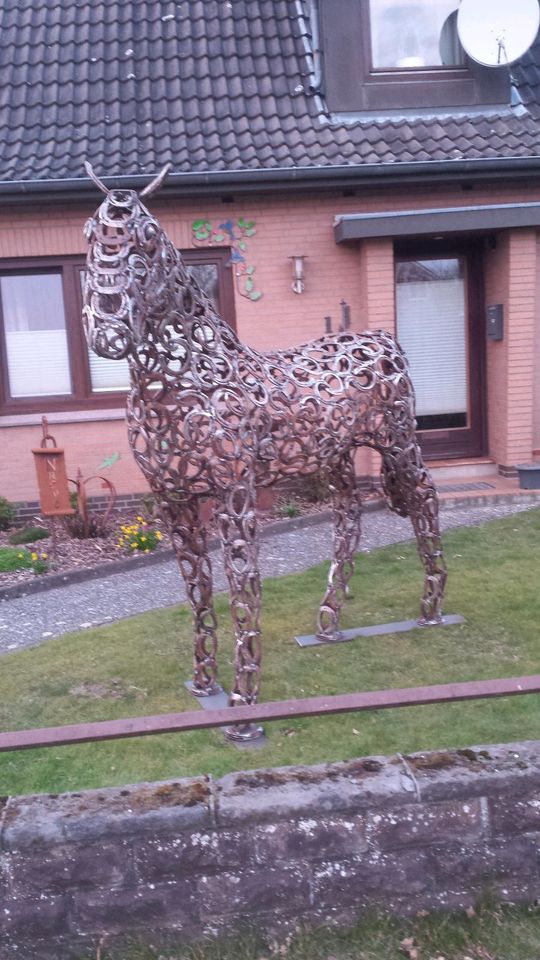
x,y
191,323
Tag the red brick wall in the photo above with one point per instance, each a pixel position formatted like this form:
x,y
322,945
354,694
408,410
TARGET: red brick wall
x,y
511,279
496,288
536,372
361,274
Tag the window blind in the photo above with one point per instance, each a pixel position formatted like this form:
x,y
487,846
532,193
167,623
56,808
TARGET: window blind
x,y
35,330
431,330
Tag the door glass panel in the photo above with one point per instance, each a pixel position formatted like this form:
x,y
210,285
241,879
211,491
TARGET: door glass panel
x,y
431,326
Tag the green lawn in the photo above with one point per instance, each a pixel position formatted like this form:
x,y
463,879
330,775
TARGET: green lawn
x,y
492,933
138,666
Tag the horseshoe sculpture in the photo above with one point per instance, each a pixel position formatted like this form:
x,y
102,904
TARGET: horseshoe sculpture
x,y
210,417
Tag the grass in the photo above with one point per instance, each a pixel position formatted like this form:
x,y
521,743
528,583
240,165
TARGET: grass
x,y
138,666
492,933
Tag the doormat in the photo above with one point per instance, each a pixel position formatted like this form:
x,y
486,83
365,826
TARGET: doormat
x,y
463,487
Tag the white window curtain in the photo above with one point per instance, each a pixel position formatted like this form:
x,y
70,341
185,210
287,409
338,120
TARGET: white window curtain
x,y
35,331
107,375
431,330
413,34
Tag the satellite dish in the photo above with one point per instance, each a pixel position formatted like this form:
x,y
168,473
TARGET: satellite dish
x,y
497,32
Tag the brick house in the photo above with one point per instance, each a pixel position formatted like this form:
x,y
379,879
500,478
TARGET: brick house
x,y
344,132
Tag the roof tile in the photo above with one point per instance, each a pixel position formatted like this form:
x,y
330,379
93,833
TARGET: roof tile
x,y
213,86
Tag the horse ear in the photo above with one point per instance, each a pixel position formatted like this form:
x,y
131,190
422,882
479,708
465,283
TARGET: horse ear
x,y
156,182
94,177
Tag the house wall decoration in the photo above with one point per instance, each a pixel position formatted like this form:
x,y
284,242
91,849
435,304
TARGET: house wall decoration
x,y
234,234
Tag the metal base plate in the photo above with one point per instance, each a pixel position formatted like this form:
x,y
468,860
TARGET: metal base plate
x,y
400,626
217,701
220,700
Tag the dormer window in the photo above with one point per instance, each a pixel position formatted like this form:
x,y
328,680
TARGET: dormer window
x,y
414,34
401,54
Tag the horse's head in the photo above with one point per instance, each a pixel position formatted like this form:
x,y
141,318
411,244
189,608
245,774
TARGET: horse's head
x,y
126,271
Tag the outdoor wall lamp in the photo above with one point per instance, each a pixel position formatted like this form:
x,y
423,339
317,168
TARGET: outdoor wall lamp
x,y
298,284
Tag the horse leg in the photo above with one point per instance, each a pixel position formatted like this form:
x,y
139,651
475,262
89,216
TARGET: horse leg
x,y
237,529
411,492
347,509
188,537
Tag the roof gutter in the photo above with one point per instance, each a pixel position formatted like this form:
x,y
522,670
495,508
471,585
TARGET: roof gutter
x,y
280,179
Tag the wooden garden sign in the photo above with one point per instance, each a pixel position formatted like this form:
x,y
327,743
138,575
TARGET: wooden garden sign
x,y
52,477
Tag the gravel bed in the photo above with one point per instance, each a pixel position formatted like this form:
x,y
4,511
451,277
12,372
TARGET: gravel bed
x,y
28,621
77,553
72,553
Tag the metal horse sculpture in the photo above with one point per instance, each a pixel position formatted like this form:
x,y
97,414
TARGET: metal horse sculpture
x,y
209,417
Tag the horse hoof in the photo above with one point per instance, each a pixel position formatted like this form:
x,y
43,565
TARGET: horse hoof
x,y
210,690
334,637
429,621
243,732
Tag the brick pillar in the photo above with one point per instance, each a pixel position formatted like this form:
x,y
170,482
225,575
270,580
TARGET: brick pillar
x,y
536,374
377,276
377,273
511,280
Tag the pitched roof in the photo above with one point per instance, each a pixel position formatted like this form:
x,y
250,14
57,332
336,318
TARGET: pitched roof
x,y
210,85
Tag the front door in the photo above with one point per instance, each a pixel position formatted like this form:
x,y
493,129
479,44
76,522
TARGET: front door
x,y
439,316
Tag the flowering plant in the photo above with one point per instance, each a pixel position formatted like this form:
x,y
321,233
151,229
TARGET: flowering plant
x,y
139,536
22,559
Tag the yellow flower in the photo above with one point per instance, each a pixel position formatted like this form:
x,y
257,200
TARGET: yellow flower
x,y
159,535
133,546
20,556
140,519
43,556
34,556
143,539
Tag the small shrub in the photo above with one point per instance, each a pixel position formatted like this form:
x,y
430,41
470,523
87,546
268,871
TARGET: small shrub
x,y
83,524
315,488
12,559
288,509
150,506
29,535
139,537
80,529
7,513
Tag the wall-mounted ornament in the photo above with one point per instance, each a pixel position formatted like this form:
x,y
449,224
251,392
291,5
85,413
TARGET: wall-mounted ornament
x,y
298,284
234,234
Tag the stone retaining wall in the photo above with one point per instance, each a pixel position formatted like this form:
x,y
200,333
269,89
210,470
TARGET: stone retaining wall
x,y
271,847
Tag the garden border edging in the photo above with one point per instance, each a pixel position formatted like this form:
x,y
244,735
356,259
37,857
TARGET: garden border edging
x,y
54,580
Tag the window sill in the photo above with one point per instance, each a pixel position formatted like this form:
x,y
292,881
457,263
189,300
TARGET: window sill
x,y
67,416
